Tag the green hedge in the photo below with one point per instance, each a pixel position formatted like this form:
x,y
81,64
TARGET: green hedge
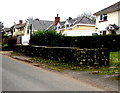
x,y
52,38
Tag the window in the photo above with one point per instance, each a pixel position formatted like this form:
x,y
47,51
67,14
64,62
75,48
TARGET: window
x,y
63,26
21,29
103,18
104,32
28,29
59,27
67,25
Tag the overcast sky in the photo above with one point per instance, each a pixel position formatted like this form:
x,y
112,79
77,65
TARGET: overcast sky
x,y
15,10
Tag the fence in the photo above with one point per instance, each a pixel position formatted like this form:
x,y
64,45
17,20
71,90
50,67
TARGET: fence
x,y
76,56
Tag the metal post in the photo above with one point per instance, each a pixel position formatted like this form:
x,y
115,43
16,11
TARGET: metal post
x,y
30,27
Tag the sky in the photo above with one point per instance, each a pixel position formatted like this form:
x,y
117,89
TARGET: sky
x,y
15,10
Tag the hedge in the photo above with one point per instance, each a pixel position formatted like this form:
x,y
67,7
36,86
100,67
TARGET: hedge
x,y
51,38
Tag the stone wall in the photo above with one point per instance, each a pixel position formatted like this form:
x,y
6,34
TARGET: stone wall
x,y
77,56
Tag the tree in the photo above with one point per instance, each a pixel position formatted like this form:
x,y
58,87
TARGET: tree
x,y
89,15
1,29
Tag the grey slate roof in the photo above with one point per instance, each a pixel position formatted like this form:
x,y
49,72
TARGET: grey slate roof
x,y
78,20
40,24
81,20
17,26
112,8
6,29
84,20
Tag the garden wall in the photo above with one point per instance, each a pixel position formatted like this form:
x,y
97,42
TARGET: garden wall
x,y
73,55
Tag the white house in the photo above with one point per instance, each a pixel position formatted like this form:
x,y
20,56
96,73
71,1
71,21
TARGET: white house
x,y
24,30
107,16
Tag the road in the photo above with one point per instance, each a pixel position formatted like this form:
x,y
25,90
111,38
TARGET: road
x,y
20,76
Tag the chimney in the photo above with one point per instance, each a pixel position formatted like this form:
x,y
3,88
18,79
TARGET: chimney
x,y
20,21
57,19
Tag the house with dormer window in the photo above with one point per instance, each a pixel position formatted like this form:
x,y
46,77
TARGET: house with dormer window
x,y
107,17
75,27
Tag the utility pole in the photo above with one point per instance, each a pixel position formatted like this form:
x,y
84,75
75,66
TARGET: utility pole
x,y
30,27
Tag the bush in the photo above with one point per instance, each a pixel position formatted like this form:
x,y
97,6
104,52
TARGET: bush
x,y
9,43
46,38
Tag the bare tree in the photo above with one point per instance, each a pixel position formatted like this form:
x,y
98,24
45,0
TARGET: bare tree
x,y
1,28
89,15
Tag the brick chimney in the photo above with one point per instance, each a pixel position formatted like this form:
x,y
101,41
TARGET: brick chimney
x,y
57,19
20,21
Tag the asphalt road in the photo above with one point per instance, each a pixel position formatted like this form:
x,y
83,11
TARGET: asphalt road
x,y
19,76
0,73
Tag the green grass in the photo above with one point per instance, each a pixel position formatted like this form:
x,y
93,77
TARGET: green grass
x,y
114,62
115,58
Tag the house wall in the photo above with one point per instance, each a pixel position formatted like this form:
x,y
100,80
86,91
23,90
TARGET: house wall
x,y
18,32
92,28
119,21
111,19
26,28
119,18
85,28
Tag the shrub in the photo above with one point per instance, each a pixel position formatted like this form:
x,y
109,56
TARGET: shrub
x,y
11,42
46,38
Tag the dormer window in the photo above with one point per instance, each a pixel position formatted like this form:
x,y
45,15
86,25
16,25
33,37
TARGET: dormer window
x,y
103,18
59,27
67,25
63,26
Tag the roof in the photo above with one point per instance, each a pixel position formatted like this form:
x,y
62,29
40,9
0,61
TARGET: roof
x,y
17,26
40,24
6,29
84,20
79,20
112,8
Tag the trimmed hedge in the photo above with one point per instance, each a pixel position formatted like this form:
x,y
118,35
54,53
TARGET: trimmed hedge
x,y
112,42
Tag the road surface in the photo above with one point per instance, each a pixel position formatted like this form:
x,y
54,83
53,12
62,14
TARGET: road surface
x,y
19,76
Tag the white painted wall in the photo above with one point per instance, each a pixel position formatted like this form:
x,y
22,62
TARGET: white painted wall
x,y
119,21
112,19
79,33
25,40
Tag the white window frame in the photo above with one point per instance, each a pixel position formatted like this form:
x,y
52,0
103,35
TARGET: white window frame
x,y
102,17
